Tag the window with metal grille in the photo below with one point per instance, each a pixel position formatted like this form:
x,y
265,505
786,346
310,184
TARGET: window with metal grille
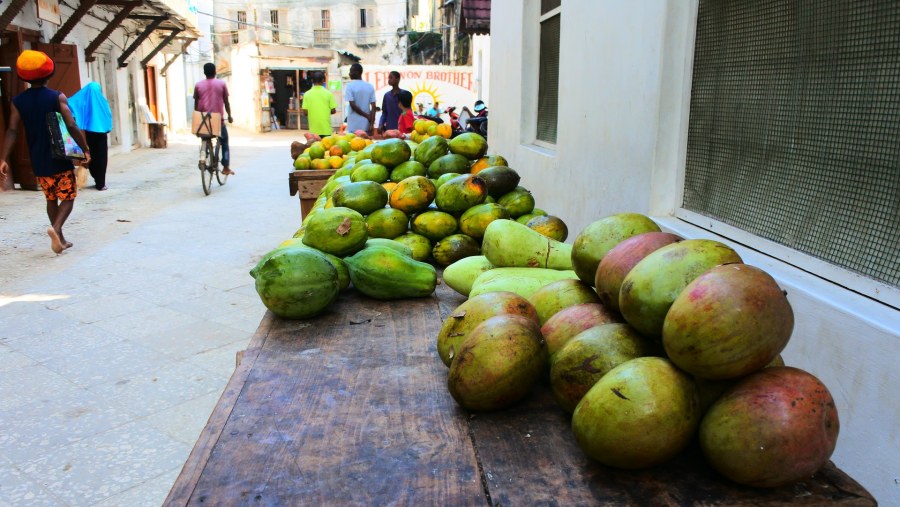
x,y
241,17
548,72
794,132
273,20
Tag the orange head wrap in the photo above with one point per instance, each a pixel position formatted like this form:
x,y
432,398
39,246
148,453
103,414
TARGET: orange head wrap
x,y
34,65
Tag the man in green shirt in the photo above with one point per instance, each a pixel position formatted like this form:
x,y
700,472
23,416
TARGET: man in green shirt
x,y
319,104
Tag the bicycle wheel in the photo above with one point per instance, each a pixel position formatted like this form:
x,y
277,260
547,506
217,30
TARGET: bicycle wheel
x,y
221,178
205,164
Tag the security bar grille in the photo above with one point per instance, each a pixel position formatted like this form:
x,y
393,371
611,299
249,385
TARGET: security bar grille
x,y
794,130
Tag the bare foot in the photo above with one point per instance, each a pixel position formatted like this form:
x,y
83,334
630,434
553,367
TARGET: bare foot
x,y
55,244
68,244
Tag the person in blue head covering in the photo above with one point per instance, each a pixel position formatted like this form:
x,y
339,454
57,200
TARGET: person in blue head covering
x,y
93,116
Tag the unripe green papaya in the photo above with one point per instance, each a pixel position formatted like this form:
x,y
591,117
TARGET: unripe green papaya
x,y
296,282
338,231
430,150
389,243
384,273
471,145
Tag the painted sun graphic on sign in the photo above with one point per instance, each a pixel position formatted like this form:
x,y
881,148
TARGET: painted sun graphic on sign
x,y
425,94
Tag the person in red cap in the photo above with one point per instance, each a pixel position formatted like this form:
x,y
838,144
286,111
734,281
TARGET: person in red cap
x,y
56,177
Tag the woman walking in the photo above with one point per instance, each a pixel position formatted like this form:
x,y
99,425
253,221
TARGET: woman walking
x,y
94,118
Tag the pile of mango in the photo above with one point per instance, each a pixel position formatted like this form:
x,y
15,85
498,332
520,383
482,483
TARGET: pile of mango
x,y
389,214
649,340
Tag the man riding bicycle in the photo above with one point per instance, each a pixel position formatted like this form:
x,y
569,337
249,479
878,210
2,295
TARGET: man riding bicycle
x,y
211,96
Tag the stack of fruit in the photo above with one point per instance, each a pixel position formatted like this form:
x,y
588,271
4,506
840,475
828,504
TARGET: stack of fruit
x,y
678,338
411,204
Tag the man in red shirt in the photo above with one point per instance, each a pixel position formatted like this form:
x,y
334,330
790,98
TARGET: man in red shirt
x,y
211,96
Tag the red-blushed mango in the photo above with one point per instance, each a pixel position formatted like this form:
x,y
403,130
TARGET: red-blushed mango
x,y
567,323
497,364
618,262
729,322
598,238
653,283
584,359
473,312
556,296
775,427
641,413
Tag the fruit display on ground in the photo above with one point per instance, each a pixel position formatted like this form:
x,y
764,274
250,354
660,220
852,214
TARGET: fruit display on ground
x,y
650,341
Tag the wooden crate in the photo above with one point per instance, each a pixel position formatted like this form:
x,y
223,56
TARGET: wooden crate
x,y
308,184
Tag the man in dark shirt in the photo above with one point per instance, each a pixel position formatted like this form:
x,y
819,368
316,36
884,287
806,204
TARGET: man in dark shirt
x,y
390,109
56,177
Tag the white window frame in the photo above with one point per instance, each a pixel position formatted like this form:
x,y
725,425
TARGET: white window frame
x,y
668,186
556,11
275,17
369,13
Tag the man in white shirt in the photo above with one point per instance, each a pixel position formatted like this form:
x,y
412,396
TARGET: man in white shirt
x,y
361,96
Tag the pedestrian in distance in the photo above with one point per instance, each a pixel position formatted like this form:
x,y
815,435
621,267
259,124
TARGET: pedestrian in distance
x,y
390,109
434,111
318,105
94,118
211,96
361,97
56,177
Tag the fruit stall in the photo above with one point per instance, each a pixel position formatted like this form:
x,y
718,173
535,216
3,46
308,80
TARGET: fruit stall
x,y
437,342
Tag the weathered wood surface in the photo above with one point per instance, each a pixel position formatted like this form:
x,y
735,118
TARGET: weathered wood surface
x,y
352,409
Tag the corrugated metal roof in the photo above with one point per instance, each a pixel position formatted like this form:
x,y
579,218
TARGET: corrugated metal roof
x,y
476,17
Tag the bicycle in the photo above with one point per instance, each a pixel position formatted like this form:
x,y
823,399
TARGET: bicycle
x,y
209,151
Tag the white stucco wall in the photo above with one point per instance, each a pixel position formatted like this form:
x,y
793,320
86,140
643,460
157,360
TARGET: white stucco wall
x,y
623,110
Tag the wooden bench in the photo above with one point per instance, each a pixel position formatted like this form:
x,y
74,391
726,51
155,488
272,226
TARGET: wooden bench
x,y
352,408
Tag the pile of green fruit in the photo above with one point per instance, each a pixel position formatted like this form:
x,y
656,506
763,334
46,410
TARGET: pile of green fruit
x,y
648,340
388,215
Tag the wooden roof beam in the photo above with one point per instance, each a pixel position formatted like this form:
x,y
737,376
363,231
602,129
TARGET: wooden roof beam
x,y
184,45
73,20
109,29
11,10
165,42
140,38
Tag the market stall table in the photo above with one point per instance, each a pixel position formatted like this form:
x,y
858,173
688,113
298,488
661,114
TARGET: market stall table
x,y
351,408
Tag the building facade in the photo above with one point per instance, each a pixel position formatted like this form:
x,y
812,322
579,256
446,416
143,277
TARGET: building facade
x,y
283,42
132,49
681,109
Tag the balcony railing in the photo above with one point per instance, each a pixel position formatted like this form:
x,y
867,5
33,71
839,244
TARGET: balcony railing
x,y
322,37
364,37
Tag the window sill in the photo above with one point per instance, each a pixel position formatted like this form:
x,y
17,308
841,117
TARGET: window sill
x,y
542,150
792,278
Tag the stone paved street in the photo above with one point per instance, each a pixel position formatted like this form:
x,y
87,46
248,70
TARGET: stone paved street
x,y
113,354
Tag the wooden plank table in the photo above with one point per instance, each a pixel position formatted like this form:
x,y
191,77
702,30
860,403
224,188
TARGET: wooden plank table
x,y
351,408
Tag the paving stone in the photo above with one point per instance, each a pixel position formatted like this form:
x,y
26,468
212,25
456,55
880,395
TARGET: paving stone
x,y
114,352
